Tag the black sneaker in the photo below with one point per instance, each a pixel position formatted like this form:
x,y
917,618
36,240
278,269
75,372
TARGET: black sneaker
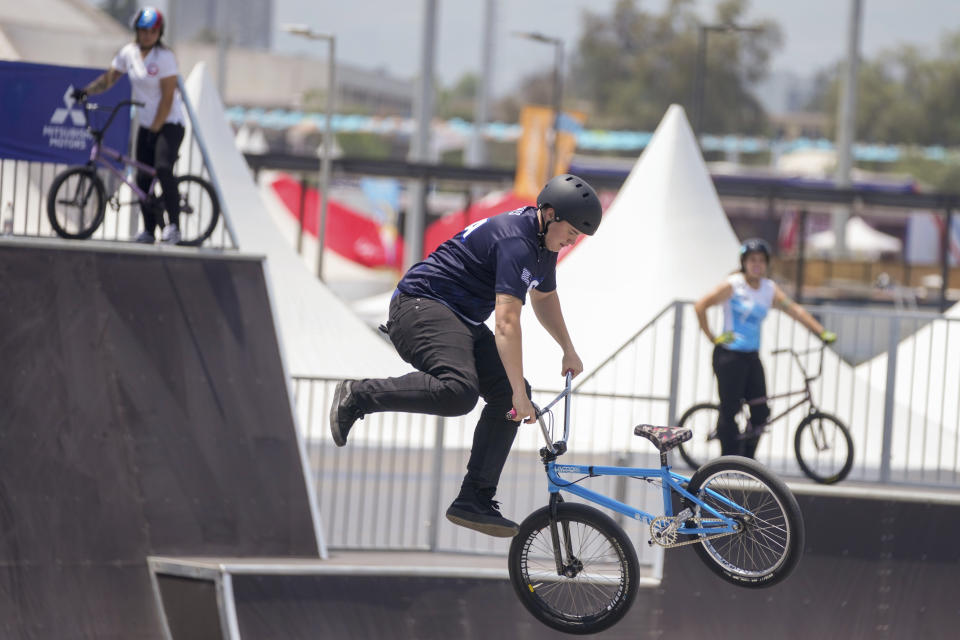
x,y
343,412
481,514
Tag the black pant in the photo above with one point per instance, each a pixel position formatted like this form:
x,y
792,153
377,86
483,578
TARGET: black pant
x,y
160,151
739,377
457,362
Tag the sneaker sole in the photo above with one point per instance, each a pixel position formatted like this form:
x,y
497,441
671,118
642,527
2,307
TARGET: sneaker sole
x,y
338,438
495,530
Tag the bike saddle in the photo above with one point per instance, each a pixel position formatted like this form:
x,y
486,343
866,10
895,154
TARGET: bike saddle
x,y
663,438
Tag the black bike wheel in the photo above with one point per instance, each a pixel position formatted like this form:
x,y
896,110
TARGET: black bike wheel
x,y
603,572
76,203
770,541
199,210
704,445
824,448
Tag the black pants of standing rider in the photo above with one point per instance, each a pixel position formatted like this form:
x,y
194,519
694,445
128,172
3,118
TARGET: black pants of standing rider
x,y
159,150
456,363
739,377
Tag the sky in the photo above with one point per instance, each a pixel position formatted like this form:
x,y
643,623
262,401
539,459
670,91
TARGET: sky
x,y
387,34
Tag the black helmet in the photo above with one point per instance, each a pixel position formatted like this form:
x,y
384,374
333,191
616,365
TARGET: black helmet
x,y
573,200
754,245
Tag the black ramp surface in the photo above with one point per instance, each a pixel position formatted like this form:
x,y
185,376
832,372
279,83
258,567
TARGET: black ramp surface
x,y
874,568
144,411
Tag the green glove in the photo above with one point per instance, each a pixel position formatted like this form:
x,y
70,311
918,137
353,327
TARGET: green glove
x,y
724,338
828,337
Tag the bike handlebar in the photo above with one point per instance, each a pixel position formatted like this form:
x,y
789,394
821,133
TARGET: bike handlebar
x,y
92,106
796,356
565,394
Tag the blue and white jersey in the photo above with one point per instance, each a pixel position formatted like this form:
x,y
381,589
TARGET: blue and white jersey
x,y
744,312
499,254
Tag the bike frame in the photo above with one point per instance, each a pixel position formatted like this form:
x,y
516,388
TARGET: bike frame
x,y
806,392
99,150
671,482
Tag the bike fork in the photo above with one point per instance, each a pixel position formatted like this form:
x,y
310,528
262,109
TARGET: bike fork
x,y
555,499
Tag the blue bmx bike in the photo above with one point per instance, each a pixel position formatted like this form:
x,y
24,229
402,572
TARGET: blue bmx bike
x,y
575,569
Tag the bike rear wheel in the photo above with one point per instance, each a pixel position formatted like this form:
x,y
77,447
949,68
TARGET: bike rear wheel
x,y
824,448
199,209
704,445
76,202
769,543
601,571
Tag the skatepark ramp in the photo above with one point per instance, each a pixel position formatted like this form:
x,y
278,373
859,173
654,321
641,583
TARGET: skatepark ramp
x,y
145,412
877,565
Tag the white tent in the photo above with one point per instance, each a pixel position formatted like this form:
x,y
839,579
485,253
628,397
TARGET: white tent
x,y
320,335
665,237
862,240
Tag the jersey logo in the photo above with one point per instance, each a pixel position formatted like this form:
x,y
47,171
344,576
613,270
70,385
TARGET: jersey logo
x,y
528,279
471,228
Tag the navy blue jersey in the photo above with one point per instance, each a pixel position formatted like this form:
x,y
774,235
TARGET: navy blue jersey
x,y
499,254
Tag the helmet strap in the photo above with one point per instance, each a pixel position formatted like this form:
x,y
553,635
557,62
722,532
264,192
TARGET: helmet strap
x,y
544,227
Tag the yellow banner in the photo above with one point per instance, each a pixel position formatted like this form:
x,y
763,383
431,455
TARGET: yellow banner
x,y
534,146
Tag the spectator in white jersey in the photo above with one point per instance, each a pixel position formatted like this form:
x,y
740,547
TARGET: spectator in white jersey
x,y
152,69
746,296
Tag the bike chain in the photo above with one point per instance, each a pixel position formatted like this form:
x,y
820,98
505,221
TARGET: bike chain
x,y
669,545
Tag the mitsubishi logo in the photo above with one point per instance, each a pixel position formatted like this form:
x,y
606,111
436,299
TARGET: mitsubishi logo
x,y
76,116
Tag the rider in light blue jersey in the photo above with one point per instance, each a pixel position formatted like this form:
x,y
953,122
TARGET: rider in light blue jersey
x,y
746,296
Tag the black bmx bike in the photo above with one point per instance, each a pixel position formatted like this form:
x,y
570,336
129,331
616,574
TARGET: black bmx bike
x,y
77,199
822,442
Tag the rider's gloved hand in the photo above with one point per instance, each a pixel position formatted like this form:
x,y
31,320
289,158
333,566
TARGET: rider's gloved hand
x,y
78,94
724,338
828,337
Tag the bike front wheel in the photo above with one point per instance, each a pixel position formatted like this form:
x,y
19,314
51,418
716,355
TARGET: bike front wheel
x,y
704,445
769,539
824,448
76,203
199,210
599,575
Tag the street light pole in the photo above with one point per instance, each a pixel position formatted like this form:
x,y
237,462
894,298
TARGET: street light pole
x,y
557,90
700,75
326,160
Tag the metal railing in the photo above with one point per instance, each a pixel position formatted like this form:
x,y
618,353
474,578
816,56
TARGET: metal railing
x,y
24,186
891,377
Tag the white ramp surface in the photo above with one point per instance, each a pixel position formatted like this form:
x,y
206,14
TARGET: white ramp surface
x,y
665,237
320,336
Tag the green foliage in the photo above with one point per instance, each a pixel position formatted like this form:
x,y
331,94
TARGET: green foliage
x,y
903,97
633,64
364,145
458,101
937,175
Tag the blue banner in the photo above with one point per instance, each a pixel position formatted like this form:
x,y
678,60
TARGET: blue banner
x,y
39,120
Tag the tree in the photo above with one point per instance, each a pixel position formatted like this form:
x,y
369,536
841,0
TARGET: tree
x,y
902,96
458,101
631,65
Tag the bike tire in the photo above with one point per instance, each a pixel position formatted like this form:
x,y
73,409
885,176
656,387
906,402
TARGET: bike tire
x,y
595,598
701,419
771,542
86,184
831,461
199,210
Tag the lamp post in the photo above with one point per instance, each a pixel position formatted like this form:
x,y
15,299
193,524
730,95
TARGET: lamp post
x,y
557,88
327,157
701,68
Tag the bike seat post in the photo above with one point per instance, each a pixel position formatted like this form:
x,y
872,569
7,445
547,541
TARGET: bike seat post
x,y
663,458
